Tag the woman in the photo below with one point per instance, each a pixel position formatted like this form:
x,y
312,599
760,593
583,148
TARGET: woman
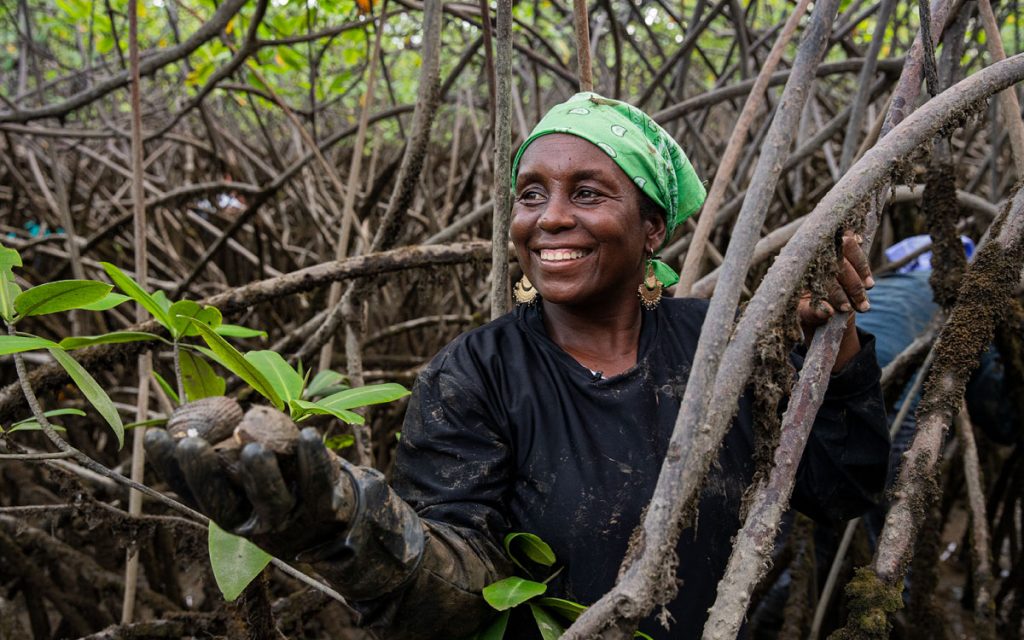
x,y
553,419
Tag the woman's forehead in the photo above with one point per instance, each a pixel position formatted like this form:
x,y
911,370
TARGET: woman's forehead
x,y
564,155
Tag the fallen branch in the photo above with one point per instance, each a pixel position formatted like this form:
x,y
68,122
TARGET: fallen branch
x,y
175,626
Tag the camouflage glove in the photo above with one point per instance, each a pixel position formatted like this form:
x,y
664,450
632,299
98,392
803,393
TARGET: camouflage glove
x,y
256,475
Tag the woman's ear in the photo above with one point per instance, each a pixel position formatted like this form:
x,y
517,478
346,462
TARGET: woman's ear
x,y
655,231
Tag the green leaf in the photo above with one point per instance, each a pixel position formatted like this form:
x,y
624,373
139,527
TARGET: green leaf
x,y
232,360
325,383
566,608
108,301
62,295
92,391
166,386
238,331
363,396
114,337
138,294
183,311
31,424
53,413
299,408
153,422
641,634
235,561
337,443
550,629
495,630
531,546
18,344
9,290
199,378
9,257
161,299
286,381
511,592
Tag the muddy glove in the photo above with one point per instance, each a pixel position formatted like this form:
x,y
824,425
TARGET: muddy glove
x,y
257,476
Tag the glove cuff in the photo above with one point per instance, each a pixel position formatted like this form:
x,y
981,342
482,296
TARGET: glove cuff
x,y
383,545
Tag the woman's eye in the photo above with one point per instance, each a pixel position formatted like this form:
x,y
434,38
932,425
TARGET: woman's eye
x,y
587,194
530,195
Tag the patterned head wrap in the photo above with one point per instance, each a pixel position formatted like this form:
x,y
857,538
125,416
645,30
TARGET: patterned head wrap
x,y
641,148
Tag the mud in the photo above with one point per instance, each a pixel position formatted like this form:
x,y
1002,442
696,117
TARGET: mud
x,y
982,302
252,617
942,213
772,380
799,611
925,618
1009,342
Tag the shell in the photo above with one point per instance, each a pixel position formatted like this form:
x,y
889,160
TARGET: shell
x,y
212,419
271,428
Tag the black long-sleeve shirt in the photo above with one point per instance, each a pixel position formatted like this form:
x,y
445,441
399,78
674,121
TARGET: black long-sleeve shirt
x,y
507,432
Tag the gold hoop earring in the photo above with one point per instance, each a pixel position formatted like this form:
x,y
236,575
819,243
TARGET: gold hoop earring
x,y
650,289
524,292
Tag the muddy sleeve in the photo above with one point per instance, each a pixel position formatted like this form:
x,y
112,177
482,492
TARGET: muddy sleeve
x,y
418,555
842,473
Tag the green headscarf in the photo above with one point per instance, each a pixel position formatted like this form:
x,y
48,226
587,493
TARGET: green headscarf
x,y
641,148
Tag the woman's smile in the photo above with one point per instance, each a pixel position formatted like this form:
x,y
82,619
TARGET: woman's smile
x,y
562,255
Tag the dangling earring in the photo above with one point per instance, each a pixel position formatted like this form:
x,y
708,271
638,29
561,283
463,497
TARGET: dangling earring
x,y
650,289
524,291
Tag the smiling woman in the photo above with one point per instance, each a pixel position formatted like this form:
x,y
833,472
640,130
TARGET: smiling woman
x,y
577,225
554,419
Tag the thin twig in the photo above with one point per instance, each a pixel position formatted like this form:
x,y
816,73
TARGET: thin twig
x,y
581,25
35,456
502,160
1008,103
131,571
981,551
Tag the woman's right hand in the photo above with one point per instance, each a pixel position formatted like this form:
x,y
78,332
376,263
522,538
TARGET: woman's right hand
x,y
282,489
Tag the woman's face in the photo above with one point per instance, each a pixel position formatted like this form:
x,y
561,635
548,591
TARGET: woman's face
x,y
576,223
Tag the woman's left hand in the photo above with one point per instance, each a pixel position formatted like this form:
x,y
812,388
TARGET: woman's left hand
x,y
848,293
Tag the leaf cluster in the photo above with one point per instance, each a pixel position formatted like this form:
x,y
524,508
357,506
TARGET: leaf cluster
x,y
550,614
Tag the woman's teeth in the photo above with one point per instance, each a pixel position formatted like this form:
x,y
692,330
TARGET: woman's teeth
x,y
555,255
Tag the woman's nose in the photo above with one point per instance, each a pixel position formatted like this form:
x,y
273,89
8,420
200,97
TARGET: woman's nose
x,y
557,216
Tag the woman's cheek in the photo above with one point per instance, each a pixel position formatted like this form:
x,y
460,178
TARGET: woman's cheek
x,y
519,227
